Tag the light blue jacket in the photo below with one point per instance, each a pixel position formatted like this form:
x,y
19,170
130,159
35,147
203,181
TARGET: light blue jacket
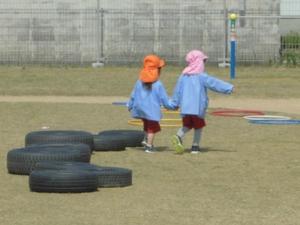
x,y
190,92
146,104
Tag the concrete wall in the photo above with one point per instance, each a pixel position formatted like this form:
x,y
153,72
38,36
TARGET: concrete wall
x,y
289,25
65,31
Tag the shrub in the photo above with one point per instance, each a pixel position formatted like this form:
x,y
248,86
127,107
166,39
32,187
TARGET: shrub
x,y
290,49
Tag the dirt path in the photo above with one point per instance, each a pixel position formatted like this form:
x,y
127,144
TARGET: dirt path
x,y
291,106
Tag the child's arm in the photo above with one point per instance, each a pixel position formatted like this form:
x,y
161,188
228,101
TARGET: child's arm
x,y
165,100
177,93
129,104
218,85
131,100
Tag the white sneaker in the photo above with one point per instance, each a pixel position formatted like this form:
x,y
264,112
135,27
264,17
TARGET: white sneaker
x,y
144,143
195,150
149,149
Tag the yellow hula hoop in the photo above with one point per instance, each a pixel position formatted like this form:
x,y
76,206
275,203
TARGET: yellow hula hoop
x,y
137,122
165,111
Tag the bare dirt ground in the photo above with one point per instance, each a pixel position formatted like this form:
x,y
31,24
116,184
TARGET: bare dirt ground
x,y
291,105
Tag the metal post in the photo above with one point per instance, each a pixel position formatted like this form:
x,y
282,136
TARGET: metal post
x,y
99,39
232,45
102,35
224,62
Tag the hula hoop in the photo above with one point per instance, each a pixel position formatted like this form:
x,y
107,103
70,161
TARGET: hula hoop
x,y
137,122
267,117
119,103
170,111
236,112
276,122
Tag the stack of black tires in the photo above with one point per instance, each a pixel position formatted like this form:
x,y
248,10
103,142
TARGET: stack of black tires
x,y
59,161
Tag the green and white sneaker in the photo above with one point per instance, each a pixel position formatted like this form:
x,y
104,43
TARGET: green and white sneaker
x,y
177,144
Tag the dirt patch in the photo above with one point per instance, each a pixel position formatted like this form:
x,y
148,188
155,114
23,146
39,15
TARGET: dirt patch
x,y
291,106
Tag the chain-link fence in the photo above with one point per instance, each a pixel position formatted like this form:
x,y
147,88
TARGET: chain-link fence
x,y
125,35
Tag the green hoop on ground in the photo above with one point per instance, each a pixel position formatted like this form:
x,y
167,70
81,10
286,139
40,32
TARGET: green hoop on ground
x,y
236,112
163,122
267,117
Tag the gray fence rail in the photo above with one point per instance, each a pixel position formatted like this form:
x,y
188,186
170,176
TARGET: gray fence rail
x,y
119,36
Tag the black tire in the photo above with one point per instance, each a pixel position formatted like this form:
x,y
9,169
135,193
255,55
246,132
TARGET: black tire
x,y
22,160
62,181
107,176
63,165
59,137
133,138
109,142
113,177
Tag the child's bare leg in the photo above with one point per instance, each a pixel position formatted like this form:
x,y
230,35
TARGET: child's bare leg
x,y
150,139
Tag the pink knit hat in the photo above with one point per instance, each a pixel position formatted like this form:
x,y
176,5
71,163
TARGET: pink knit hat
x,y
195,60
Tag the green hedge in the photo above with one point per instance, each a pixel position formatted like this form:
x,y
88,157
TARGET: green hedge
x,y
290,48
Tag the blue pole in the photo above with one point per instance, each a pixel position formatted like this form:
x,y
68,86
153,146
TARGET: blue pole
x,y
233,18
232,59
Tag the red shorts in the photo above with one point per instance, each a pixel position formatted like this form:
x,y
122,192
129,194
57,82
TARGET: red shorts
x,y
151,126
193,121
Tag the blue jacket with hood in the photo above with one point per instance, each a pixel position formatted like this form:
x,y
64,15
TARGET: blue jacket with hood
x,y
190,92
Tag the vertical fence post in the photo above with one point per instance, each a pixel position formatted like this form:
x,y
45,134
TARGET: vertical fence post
x,y
102,35
99,37
232,45
224,62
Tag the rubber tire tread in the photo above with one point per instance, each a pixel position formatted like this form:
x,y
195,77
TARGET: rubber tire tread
x,y
62,181
22,160
59,137
109,142
133,138
107,176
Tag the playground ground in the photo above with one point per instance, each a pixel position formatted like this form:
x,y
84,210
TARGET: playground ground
x,y
248,174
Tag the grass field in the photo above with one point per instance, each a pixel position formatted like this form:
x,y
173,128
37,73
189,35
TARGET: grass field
x,y
263,82
247,174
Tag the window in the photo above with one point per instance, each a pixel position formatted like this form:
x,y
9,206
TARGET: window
x,y
290,8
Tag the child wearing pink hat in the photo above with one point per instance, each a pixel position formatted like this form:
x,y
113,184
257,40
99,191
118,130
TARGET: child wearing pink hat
x,y
190,94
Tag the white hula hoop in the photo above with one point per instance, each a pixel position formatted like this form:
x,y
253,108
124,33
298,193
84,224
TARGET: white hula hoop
x,y
267,117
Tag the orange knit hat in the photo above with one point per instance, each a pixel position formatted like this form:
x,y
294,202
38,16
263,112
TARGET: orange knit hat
x,y
149,73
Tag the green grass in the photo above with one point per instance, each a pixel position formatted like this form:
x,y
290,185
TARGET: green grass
x,y
248,174
262,82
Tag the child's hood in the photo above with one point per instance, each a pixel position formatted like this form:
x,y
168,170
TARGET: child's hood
x,y
195,60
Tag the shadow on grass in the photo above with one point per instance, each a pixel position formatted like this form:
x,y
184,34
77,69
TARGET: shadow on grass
x,y
207,149
186,150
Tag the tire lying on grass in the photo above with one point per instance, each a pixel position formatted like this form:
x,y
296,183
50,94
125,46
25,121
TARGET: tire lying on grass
x,y
59,137
62,181
22,160
133,138
106,176
113,177
109,142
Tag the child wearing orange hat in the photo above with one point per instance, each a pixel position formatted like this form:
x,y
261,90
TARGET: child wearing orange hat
x,y
147,97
